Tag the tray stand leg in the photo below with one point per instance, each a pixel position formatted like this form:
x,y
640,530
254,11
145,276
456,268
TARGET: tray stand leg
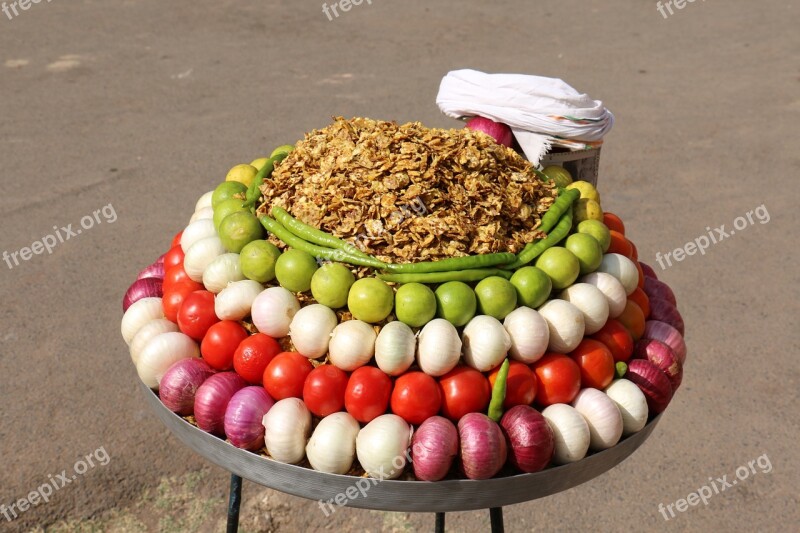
x,y
496,519
234,502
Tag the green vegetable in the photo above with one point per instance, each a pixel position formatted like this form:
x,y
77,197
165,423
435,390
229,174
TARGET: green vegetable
x,y
620,369
499,392
274,227
312,234
475,274
453,263
559,207
535,249
251,197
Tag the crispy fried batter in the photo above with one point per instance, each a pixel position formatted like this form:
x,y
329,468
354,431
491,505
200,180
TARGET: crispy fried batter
x,y
409,193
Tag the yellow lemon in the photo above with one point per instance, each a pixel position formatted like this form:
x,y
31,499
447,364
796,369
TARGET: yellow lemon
x,y
560,175
259,163
243,174
586,189
586,209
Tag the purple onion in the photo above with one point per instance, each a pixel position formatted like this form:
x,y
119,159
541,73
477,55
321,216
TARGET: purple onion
x,y
180,383
142,288
663,357
654,288
497,130
652,382
648,271
483,446
661,331
212,398
433,448
156,270
531,438
244,415
665,311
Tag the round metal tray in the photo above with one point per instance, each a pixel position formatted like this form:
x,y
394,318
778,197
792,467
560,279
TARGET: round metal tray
x,y
392,495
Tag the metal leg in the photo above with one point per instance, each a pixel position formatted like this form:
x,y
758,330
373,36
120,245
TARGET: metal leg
x,y
439,523
234,502
496,518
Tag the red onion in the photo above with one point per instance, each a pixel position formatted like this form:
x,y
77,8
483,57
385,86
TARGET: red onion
x,y
499,131
652,382
663,310
433,448
483,446
663,357
654,288
661,331
532,441
211,401
156,270
180,383
142,288
243,417
648,271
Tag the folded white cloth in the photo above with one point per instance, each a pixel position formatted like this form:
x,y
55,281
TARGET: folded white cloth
x,y
538,110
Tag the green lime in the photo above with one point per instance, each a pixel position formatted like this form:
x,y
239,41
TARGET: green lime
x,y
456,302
533,286
598,230
243,174
283,149
294,270
561,265
370,300
226,190
415,304
259,163
331,283
587,250
257,260
239,229
560,175
496,297
225,208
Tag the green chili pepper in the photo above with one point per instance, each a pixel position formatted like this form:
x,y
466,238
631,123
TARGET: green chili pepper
x,y
535,249
292,240
499,392
453,263
620,369
475,274
314,235
559,207
254,191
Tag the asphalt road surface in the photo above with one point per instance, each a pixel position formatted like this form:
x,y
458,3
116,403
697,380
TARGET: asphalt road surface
x,y
116,116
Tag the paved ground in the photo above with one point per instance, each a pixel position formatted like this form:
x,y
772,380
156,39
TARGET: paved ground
x,y
141,106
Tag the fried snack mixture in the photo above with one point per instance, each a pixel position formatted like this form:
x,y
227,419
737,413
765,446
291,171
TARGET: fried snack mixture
x,y
407,193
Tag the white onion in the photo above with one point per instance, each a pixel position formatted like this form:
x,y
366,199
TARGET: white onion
x,y
205,213
565,322
332,446
382,446
235,301
352,344
273,310
286,428
222,270
395,348
621,268
592,303
486,343
161,352
147,332
529,334
602,416
195,231
200,255
631,403
439,347
571,433
138,314
611,288
204,201
311,330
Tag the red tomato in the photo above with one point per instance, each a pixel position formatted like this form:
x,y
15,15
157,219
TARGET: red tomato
x,y
175,295
416,397
367,394
285,375
520,384
617,339
197,314
464,390
173,257
619,245
253,355
324,390
595,362
613,222
176,240
635,257
220,342
559,379
176,274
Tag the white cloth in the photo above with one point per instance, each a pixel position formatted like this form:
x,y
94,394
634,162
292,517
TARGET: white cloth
x,y
538,110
